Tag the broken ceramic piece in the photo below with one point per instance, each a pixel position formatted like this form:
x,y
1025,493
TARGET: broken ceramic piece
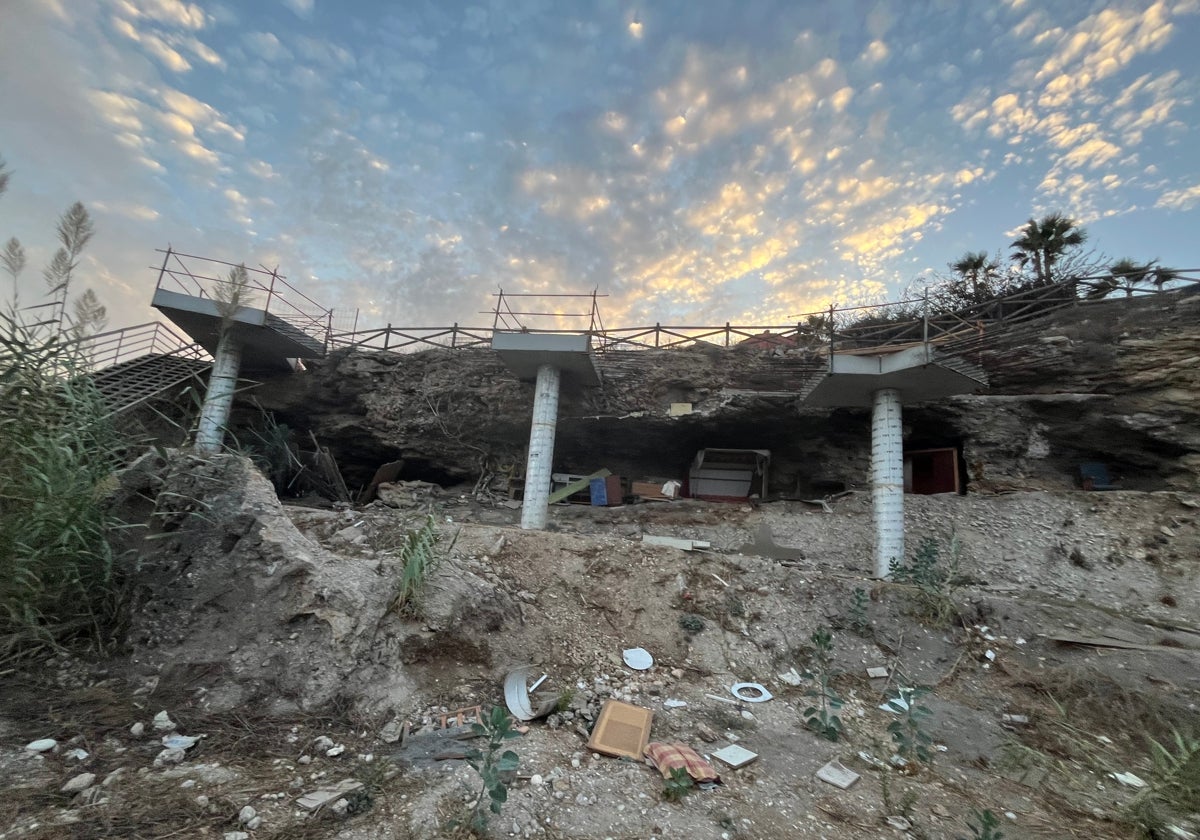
x,y
735,756
750,692
639,659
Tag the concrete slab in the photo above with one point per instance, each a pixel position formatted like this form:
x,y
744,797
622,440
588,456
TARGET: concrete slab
x,y
524,353
918,375
263,346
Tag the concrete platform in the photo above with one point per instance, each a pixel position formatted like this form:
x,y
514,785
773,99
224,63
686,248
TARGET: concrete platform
x,y
917,373
267,341
524,353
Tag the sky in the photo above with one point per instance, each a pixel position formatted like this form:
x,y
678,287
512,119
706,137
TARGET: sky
x,y
697,162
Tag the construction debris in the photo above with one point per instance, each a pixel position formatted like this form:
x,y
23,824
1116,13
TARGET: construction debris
x,y
622,730
838,775
735,756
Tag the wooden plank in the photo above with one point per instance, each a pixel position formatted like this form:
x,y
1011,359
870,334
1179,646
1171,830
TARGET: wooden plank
x,y
576,486
1109,642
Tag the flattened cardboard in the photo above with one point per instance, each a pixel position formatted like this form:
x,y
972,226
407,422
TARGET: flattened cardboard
x,y
622,730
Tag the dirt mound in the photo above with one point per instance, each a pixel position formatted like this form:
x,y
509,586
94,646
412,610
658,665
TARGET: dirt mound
x,y
1059,643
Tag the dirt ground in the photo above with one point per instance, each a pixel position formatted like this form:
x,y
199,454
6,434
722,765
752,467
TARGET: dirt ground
x,y
1062,637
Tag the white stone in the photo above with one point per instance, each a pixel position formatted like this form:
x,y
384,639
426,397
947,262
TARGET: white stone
x,y
81,782
138,729
169,756
41,745
163,722
246,814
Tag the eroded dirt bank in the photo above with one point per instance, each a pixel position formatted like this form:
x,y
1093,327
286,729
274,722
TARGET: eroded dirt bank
x,y
266,628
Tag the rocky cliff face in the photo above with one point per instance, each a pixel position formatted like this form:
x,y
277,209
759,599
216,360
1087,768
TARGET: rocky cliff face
x,y
1110,381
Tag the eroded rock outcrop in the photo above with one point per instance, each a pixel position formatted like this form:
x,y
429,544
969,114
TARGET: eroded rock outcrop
x,y
1114,381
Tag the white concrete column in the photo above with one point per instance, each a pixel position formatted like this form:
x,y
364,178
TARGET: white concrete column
x,y
541,449
218,399
887,479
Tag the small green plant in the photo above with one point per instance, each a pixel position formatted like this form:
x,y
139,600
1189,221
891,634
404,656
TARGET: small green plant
x,y
1174,785
691,623
491,763
931,581
912,742
985,826
1176,773
418,553
856,615
678,785
565,698
822,715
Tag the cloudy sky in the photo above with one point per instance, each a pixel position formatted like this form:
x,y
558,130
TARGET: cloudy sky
x,y
699,162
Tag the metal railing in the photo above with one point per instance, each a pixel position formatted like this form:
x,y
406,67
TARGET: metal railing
x,y
266,289
107,349
896,324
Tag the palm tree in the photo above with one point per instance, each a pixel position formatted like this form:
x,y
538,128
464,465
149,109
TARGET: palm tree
x,y
979,270
1042,243
1126,274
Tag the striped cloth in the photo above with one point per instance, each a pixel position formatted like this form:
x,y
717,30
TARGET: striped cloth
x,y
667,757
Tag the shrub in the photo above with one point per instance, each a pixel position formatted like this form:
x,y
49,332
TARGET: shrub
x,y
58,579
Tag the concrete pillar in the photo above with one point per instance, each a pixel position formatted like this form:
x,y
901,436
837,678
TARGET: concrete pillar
x,y
218,399
887,479
541,449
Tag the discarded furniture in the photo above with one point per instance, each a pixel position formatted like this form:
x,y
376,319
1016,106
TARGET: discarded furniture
x,y
622,730
729,474
606,491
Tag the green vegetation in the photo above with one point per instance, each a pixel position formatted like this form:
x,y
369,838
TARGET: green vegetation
x,y
913,743
691,623
1173,787
419,554
822,715
58,576
492,764
678,785
985,826
931,582
857,617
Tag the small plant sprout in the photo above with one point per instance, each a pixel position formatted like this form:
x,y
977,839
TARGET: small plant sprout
x,y
913,743
419,555
983,825
491,762
822,715
857,613
678,785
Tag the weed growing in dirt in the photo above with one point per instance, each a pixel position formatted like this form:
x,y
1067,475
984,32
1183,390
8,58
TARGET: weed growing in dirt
x,y
678,785
931,581
856,614
491,762
985,827
822,716
1174,785
418,553
691,623
912,742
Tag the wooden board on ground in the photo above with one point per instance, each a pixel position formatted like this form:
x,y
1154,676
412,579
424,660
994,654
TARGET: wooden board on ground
x,y
621,730
1109,642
